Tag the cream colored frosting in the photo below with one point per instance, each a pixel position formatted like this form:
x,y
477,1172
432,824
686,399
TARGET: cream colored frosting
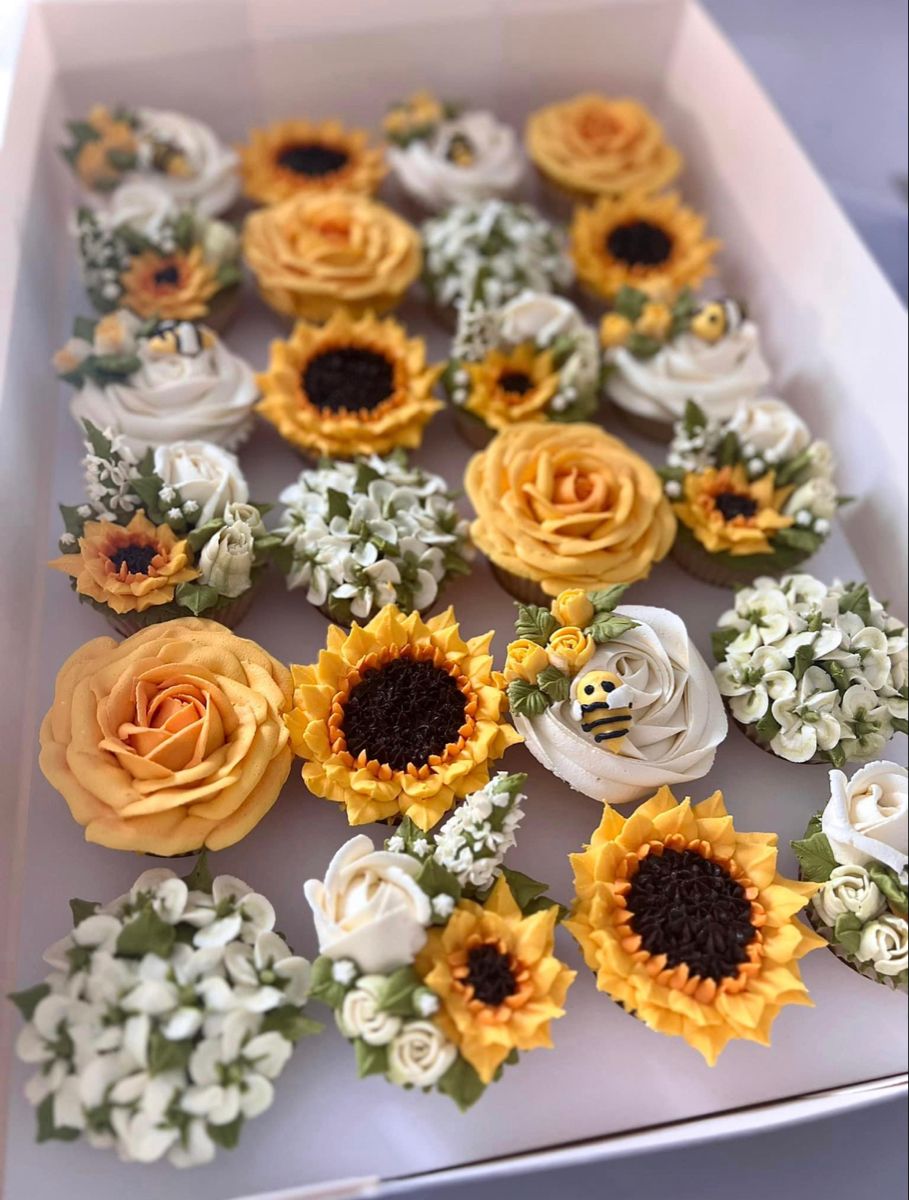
x,y
716,375
428,174
677,716
205,395
213,182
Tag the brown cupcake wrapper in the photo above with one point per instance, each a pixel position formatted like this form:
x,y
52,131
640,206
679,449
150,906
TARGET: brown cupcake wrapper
x,y
866,971
559,200
473,430
229,613
653,428
709,568
326,613
526,591
223,308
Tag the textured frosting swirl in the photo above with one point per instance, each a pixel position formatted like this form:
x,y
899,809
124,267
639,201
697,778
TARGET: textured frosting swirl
x,y
212,182
678,719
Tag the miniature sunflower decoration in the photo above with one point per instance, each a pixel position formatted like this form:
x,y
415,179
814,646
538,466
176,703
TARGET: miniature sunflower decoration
x,y
295,156
349,387
497,977
176,286
726,511
652,243
688,925
399,717
129,568
511,385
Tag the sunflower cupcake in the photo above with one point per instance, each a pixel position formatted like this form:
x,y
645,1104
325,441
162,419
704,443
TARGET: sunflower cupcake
x,y
687,924
486,253
813,672
162,536
651,243
146,254
321,251
399,718
448,972
349,387
176,154
593,145
753,494
442,155
295,157
566,506
359,535
533,359
857,850
657,356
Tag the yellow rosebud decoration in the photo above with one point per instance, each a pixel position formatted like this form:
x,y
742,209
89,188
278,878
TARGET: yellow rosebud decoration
x,y
525,660
711,323
573,607
654,320
171,740
615,330
569,648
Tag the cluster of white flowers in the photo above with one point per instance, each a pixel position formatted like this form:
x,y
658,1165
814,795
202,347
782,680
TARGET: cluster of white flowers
x,y
164,1021
882,941
370,533
816,668
475,839
109,479
104,257
491,251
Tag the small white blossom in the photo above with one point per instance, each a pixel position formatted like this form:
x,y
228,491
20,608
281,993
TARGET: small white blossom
x,y
68,539
474,840
673,488
174,514
344,971
395,844
167,494
443,905
84,511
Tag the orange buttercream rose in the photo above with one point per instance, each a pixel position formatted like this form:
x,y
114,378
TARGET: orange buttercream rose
x,y
317,252
592,145
568,506
171,740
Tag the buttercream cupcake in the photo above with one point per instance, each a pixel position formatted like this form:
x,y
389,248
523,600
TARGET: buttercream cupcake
x,y
179,155
439,962
146,253
349,387
442,155
400,717
170,741
164,1021
487,253
593,145
857,849
813,672
658,356
318,252
376,531
532,359
297,157
153,382
162,536
687,924
753,493
566,506
616,701
651,243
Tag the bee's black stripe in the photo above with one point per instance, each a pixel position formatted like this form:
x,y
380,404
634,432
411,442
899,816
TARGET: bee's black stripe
x,y
598,704
606,721
613,733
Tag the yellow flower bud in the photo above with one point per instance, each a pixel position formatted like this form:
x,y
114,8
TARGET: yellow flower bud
x,y
525,660
569,648
614,330
654,320
710,323
572,607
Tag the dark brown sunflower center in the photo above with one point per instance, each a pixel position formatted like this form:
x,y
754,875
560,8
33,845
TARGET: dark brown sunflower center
x,y
639,244
733,504
137,558
490,974
402,713
349,378
168,276
460,150
515,382
691,909
313,159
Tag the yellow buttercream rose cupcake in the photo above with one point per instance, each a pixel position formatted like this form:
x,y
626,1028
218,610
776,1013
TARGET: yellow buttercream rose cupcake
x,y
687,924
400,717
593,145
293,157
172,740
349,387
318,252
566,506
652,243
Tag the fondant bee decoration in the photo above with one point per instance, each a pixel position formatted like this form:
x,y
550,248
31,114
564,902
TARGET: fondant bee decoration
x,y
599,708
460,151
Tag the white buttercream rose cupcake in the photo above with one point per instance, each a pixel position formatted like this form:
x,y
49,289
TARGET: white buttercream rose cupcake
x,y
442,156
659,356
157,382
180,155
616,701
857,850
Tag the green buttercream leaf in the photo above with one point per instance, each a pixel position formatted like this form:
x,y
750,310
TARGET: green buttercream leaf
x,y
72,522
837,756
123,160
768,726
226,1136
185,230
462,1084
641,345
165,1055
787,472
847,932
729,452
84,327
197,597
371,1060
535,623
837,673
82,909
29,998
203,533
83,132
338,504
47,1130
146,934
894,892
365,476
322,984
526,699
200,878
435,880
900,724
604,600
229,274
555,683
147,490
798,539
290,1022
721,639
99,442
396,996
815,857
804,657
857,599
524,889
629,302
694,418
610,628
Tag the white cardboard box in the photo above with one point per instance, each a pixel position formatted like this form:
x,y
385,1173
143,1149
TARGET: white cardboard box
x,y
836,335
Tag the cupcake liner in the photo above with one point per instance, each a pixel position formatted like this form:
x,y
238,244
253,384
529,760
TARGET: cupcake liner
x,y
719,571
473,430
558,200
527,591
230,612
326,613
653,428
223,308
866,970
750,732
